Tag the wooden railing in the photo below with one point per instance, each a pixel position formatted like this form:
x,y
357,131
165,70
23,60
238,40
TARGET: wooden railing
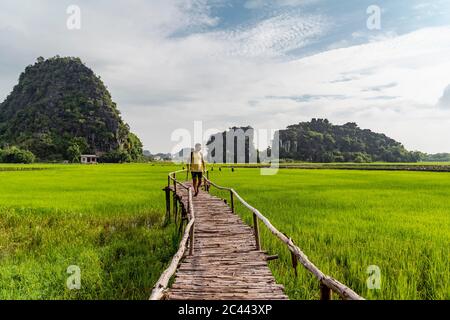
x,y
327,283
160,287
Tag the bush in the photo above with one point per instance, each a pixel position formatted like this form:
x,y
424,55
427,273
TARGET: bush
x,y
361,157
16,155
118,156
338,157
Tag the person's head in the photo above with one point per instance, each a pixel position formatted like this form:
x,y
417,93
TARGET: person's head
x,y
198,147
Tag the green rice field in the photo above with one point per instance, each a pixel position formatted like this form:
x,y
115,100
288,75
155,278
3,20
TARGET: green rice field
x,y
109,221
346,221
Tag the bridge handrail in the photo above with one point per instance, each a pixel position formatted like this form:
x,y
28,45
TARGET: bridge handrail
x,y
327,283
161,285
173,177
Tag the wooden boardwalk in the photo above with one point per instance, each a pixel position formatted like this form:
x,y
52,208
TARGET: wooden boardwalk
x,y
225,263
219,256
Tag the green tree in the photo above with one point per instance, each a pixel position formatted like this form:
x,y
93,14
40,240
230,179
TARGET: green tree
x,y
134,147
118,156
16,155
74,153
81,143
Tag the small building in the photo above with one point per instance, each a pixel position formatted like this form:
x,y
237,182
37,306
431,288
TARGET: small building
x,y
88,159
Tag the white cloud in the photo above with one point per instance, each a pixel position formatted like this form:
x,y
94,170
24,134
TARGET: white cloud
x,y
164,79
254,4
273,36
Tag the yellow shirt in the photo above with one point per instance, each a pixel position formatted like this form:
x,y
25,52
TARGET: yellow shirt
x,y
197,162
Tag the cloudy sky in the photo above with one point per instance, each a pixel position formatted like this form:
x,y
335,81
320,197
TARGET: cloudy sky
x,y
269,64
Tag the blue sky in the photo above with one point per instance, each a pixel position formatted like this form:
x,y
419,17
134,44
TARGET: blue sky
x,y
269,64
345,18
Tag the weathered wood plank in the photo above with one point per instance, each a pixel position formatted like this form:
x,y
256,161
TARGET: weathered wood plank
x,y
343,291
226,263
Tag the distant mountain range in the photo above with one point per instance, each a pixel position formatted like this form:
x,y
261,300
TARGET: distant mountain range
x,y
314,141
60,109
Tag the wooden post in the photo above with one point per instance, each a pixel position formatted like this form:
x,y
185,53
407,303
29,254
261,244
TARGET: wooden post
x,y
232,201
256,227
176,209
325,292
207,184
294,263
167,190
175,203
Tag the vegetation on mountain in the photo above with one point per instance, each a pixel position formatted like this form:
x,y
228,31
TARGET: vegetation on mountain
x,y
60,109
321,141
438,157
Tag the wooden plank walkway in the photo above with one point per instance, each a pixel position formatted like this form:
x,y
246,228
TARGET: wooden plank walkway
x,y
226,264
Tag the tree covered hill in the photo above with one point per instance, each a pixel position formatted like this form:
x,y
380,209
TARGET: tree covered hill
x,y
60,109
321,141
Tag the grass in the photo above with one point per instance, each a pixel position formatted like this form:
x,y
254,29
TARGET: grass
x,y
108,220
346,221
416,166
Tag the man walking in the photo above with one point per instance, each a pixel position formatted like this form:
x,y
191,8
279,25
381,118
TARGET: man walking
x,y
197,167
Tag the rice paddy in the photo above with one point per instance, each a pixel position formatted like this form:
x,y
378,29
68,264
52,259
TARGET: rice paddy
x,y
348,221
109,221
